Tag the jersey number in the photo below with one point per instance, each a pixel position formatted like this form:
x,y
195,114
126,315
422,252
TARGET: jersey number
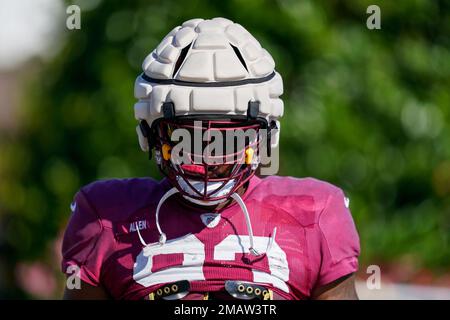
x,y
193,253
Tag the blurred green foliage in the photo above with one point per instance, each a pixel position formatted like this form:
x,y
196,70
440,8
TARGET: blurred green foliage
x,y
367,110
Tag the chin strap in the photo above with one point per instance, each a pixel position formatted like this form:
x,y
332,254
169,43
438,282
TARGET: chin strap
x,y
162,235
235,196
241,203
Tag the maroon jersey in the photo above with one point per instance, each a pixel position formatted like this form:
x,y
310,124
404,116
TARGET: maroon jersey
x,y
302,228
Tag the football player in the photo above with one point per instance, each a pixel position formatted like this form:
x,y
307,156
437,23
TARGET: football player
x,y
210,229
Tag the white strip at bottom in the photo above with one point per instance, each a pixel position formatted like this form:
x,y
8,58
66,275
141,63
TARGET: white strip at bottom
x,y
395,291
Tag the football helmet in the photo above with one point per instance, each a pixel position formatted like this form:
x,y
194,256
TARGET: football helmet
x,y
208,76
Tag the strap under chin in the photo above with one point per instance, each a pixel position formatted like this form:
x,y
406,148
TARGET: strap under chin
x,y
162,235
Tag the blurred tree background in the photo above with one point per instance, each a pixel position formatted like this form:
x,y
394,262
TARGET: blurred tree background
x,y
367,110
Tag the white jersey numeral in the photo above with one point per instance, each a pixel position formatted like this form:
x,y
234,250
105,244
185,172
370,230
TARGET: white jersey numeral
x,y
193,251
278,265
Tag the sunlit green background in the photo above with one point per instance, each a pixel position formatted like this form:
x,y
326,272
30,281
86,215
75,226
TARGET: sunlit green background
x,y
367,110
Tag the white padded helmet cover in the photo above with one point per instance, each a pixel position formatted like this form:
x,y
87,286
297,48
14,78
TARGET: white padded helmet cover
x,y
210,58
